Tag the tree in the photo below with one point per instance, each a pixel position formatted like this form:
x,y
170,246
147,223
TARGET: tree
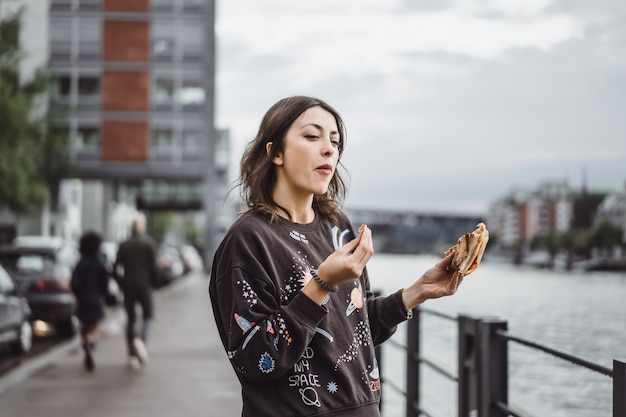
x,y
33,154
606,236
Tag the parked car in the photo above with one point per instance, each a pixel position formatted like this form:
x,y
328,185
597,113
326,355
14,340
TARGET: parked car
x,y
42,267
170,263
15,327
191,258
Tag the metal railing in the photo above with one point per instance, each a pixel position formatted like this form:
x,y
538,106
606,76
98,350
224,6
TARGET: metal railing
x,y
483,363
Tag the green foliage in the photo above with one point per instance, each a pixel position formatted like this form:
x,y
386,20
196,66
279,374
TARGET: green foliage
x,y
551,242
606,235
159,223
193,234
33,156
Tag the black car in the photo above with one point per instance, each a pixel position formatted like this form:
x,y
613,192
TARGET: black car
x,y
43,270
15,328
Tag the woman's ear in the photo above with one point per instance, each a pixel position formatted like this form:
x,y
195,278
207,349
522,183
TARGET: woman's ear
x,y
278,159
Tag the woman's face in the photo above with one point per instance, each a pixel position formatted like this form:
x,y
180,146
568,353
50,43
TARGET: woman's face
x,y
310,156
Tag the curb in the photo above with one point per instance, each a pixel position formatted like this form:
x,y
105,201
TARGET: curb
x,y
48,358
35,365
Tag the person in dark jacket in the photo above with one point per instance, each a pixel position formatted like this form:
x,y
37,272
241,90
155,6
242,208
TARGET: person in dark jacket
x,y
89,284
137,258
289,287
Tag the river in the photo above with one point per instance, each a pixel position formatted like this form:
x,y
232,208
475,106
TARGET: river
x,y
580,313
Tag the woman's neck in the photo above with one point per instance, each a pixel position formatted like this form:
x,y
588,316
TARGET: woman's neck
x,y
297,210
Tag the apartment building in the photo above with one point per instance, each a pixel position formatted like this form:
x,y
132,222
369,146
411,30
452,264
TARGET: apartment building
x,y
523,214
136,87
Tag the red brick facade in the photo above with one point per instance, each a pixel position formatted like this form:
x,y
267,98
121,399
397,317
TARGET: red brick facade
x,y
124,141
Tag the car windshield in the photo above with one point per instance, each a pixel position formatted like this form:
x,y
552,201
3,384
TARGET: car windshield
x,y
28,261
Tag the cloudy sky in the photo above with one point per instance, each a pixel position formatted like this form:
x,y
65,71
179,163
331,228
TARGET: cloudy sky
x,y
449,104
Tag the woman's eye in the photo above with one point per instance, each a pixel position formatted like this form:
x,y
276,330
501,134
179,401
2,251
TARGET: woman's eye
x,y
311,136
335,142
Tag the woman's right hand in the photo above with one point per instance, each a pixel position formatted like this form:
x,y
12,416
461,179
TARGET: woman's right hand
x,y
347,262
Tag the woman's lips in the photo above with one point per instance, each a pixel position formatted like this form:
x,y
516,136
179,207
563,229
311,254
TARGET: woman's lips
x,y
325,169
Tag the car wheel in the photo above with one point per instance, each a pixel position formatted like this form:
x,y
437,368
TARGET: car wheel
x,y
66,328
25,341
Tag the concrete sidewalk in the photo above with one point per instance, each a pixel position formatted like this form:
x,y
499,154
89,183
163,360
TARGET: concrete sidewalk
x,y
187,375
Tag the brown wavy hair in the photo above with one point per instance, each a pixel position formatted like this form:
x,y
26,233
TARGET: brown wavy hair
x,y
258,176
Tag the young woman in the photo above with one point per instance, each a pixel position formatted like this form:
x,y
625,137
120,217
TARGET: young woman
x,y
289,288
89,283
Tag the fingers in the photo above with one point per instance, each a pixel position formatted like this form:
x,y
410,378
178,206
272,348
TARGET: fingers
x,y
365,249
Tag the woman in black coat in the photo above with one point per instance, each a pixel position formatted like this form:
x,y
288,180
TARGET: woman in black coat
x,y
90,281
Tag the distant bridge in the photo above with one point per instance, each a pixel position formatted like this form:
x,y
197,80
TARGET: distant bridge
x,y
413,232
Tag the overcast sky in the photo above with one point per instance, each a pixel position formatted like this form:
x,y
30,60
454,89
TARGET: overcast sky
x,y
449,104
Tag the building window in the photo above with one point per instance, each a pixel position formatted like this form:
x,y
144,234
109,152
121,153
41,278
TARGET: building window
x,y
61,5
63,87
90,38
192,94
87,138
162,140
162,5
88,86
192,141
60,37
163,45
163,49
192,38
163,91
193,5
89,5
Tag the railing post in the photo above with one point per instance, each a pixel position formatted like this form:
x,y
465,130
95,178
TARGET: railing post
x,y
413,365
494,369
619,388
468,366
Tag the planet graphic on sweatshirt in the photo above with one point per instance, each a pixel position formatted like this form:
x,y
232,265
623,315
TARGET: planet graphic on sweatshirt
x,y
356,300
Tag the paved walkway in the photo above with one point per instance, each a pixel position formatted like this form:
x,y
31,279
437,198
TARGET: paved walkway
x,y
188,373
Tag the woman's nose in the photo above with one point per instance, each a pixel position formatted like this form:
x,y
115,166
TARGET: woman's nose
x,y
328,148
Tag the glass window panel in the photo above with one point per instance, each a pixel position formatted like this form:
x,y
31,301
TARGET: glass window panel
x,y
163,48
88,86
163,90
89,4
60,30
192,35
192,140
193,5
89,30
61,5
64,86
192,93
193,41
163,29
163,35
162,139
88,137
162,5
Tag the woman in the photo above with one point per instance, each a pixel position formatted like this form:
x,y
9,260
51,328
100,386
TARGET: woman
x,y
90,281
289,288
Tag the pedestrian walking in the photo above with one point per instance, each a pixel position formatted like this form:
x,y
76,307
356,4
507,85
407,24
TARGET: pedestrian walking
x,y
289,288
89,284
136,258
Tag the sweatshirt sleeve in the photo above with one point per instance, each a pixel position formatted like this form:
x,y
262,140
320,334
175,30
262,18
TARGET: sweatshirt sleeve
x,y
263,339
384,312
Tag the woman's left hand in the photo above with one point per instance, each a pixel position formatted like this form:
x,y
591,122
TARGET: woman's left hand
x,y
438,281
